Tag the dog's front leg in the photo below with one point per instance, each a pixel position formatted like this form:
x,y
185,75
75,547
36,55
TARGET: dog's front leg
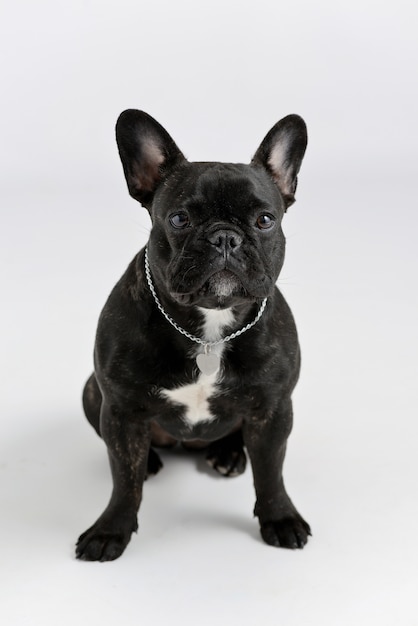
x,y
128,443
265,439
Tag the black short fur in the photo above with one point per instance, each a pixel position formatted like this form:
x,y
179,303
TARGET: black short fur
x,y
230,218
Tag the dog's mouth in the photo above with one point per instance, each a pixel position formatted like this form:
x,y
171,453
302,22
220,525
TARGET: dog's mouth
x,y
223,284
222,289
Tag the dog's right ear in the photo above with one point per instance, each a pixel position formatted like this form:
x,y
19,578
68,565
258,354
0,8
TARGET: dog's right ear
x,y
147,153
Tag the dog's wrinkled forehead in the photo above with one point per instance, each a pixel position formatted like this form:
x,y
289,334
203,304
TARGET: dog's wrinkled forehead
x,y
218,188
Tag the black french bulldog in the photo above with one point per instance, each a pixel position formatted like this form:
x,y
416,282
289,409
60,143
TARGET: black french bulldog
x,y
196,344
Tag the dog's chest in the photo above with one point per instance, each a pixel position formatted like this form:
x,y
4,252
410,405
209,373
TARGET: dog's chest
x,y
195,398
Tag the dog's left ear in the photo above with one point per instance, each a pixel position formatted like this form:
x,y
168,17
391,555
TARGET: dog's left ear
x,y
147,153
281,153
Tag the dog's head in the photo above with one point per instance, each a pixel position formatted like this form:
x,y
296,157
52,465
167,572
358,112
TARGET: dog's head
x,y
216,238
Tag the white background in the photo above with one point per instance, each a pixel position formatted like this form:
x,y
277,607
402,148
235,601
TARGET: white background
x,y
217,75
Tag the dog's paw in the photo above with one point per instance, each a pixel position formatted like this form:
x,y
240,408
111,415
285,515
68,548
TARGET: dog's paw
x,y
226,461
102,543
154,463
99,547
289,532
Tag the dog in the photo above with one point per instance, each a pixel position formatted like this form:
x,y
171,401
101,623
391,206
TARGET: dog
x,y
196,344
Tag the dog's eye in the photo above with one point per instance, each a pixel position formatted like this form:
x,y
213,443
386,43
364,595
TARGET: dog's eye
x,y
179,220
264,222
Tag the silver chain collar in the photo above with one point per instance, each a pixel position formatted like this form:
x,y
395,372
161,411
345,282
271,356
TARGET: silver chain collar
x,y
206,344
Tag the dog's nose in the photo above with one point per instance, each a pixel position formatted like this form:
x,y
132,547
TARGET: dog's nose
x,y
225,240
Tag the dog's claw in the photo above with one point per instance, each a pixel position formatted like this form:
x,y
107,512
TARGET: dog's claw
x,y
228,463
289,532
227,455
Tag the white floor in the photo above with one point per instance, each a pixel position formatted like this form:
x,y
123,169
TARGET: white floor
x,y
218,79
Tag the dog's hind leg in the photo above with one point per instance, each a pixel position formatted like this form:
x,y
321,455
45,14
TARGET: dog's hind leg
x,y
92,402
227,455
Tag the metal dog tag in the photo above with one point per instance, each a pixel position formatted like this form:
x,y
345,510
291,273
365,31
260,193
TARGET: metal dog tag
x,y
208,363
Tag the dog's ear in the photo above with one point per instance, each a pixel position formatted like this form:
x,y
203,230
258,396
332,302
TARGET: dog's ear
x,y
281,153
147,153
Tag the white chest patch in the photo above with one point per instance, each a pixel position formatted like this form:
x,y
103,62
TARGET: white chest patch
x,y
195,397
